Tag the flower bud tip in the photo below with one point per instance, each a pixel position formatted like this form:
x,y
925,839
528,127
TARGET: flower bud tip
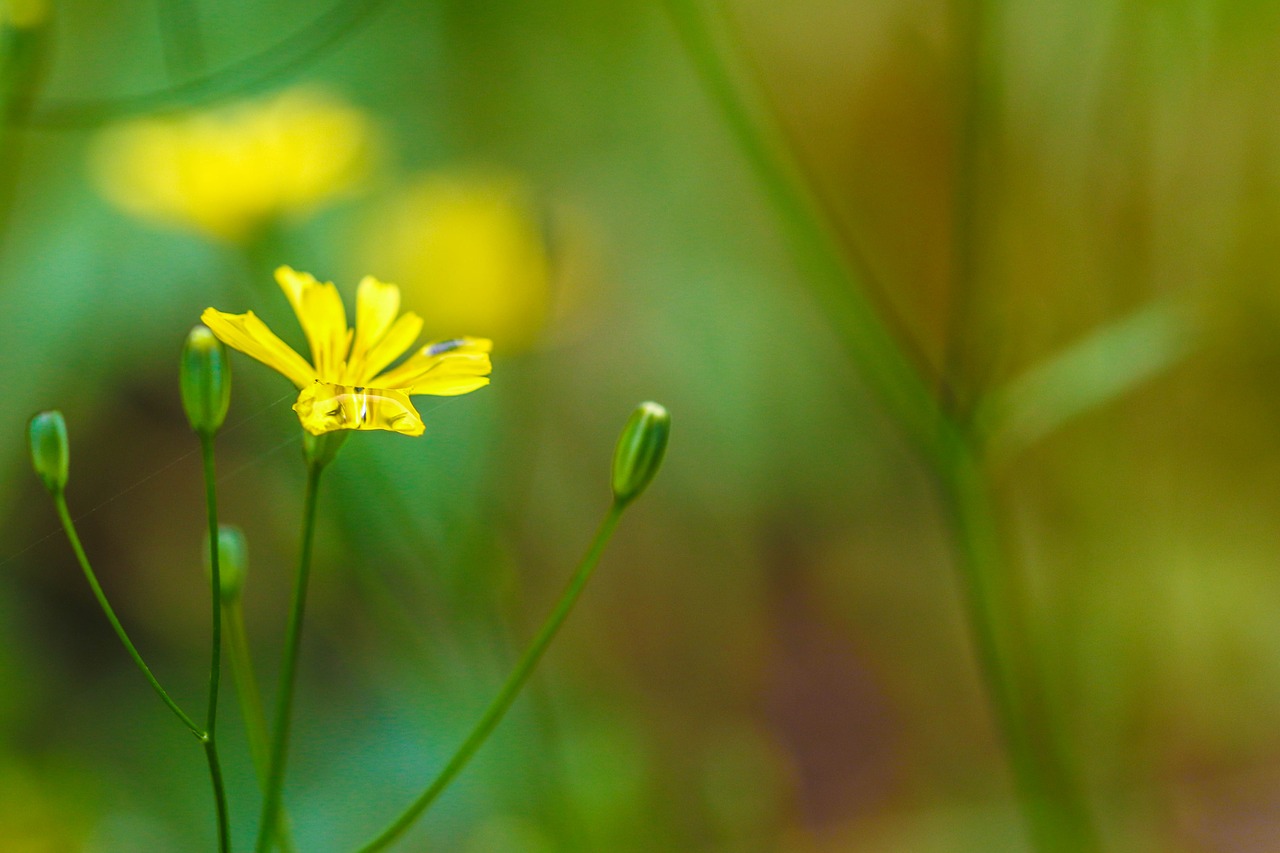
x,y
205,379
50,450
640,450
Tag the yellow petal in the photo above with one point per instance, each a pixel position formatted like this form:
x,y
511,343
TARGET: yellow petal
x,y
456,355
402,335
245,332
377,304
448,386
324,407
376,307
319,309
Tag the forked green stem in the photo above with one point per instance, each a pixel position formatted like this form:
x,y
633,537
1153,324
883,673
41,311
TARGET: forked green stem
x,y
60,503
288,669
1056,815
215,663
510,689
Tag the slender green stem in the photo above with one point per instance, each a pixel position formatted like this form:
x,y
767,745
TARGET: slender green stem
x,y
841,292
1057,815
294,51
255,718
288,669
510,689
215,662
975,188
1054,809
23,55
60,502
181,38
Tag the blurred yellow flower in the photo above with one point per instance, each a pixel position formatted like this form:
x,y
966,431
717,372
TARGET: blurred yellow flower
x,y
229,171
346,385
23,14
472,253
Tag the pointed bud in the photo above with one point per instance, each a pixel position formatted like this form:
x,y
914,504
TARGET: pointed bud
x,y
319,450
639,452
50,451
233,561
205,379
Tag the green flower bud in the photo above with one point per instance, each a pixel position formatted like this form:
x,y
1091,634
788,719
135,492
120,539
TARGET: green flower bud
x,y
50,451
233,561
319,450
206,380
639,452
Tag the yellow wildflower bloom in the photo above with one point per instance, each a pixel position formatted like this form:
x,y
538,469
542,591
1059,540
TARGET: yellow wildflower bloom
x,y
229,171
472,253
347,384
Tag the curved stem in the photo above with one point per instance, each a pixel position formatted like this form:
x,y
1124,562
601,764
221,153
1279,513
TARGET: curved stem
x,y
60,502
510,689
215,663
288,669
286,55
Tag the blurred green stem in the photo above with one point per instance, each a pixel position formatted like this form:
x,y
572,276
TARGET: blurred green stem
x,y
1057,816
288,668
1057,819
510,689
23,51
255,718
60,501
1010,651
842,294
215,664
180,37
976,183
253,73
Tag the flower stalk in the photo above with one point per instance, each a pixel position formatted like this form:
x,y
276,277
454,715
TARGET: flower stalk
x,y
288,667
50,456
234,554
204,379
511,688
69,527
215,662
636,460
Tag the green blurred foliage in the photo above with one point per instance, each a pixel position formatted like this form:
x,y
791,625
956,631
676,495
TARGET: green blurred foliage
x,y
772,656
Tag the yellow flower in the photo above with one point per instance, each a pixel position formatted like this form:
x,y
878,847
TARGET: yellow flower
x,y
347,385
229,171
471,251
23,14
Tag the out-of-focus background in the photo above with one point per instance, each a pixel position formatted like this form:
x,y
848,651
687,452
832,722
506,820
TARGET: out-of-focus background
x,y
773,656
